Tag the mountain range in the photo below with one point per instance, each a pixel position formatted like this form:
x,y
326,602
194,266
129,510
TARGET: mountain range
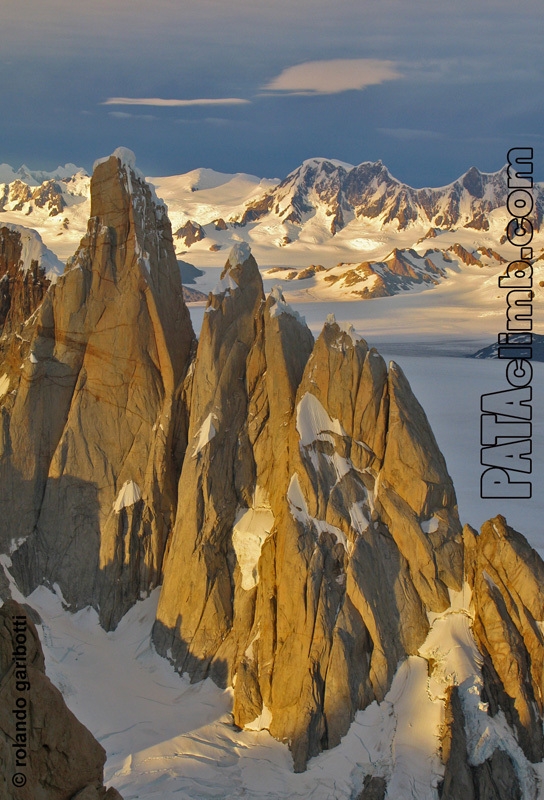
x,y
352,221
287,495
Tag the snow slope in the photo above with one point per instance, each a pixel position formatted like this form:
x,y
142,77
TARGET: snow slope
x,y
167,738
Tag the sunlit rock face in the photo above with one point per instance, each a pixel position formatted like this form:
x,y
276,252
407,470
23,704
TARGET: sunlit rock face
x,y
288,493
94,433
306,552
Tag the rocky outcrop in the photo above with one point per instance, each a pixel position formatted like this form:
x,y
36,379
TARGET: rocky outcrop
x,y
374,788
95,430
18,193
399,271
190,233
493,779
44,751
21,291
193,295
306,550
49,195
506,576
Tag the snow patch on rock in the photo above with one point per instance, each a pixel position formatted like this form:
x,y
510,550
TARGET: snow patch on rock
x,y
313,422
226,284
205,434
281,307
299,511
430,525
358,519
348,328
129,494
262,722
125,156
251,529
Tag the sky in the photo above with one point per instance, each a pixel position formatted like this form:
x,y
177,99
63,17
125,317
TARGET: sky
x,y
427,86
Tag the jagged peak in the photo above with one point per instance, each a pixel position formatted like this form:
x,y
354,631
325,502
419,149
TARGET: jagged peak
x,y
133,179
347,327
239,253
343,329
240,270
127,162
279,306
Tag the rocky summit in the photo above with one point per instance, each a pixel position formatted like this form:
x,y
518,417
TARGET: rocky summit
x,y
288,494
94,419
306,553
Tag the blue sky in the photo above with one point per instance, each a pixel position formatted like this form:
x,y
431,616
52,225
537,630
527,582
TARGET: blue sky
x,y
431,88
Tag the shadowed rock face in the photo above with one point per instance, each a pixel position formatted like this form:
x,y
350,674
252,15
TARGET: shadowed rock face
x,y
306,551
21,291
98,418
56,754
493,779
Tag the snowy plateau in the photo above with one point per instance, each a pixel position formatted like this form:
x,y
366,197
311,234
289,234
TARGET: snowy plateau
x,y
169,738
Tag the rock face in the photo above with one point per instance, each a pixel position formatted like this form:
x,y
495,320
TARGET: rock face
x,y
289,494
40,739
493,722
94,435
506,576
26,270
305,552
21,291
190,233
493,779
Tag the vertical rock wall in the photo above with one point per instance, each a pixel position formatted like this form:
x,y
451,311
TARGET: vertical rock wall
x,y
94,436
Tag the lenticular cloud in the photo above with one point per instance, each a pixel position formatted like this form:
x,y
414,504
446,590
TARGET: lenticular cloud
x,y
331,77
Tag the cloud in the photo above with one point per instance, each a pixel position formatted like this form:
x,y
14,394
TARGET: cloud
x,y
409,134
124,115
160,101
331,77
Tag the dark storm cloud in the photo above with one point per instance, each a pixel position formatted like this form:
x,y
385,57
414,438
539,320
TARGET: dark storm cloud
x,y
463,81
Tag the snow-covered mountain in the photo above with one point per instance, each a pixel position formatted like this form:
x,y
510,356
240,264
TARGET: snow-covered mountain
x,y
369,191
395,240
325,210
400,270
37,177
291,500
